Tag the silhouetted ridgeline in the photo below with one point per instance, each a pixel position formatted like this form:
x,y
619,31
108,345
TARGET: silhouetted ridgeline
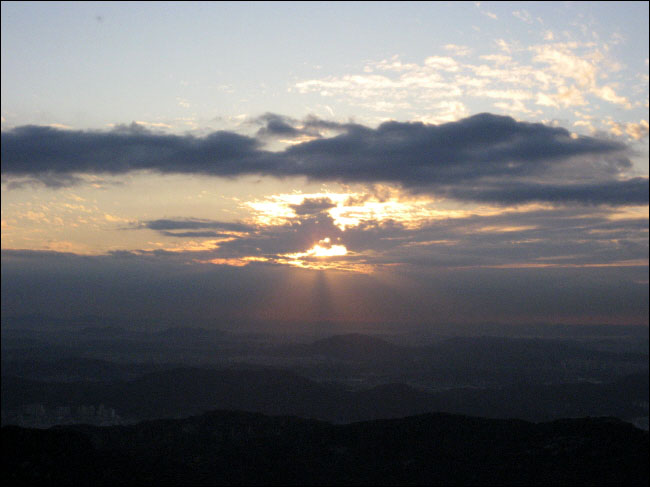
x,y
226,448
187,391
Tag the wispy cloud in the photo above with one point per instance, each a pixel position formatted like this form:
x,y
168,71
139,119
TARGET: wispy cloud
x,y
554,75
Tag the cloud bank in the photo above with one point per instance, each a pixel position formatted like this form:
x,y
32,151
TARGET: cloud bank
x,y
480,158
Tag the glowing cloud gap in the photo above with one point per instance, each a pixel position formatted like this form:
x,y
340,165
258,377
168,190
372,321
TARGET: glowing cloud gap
x,y
320,250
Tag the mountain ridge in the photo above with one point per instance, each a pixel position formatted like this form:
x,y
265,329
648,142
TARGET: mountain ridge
x,y
243,448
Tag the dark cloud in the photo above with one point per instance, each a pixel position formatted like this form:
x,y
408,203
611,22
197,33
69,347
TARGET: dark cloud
x,y
36,150
629,192
48,179
311,206
194,228
296,236
417,154
561,237
276,125
485,157
201,234
312,122
195,224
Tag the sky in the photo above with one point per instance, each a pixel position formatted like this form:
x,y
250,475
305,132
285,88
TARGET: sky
x,y
340,166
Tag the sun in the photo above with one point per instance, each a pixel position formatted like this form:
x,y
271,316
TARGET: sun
x,y
319,250
323,248
333,251
324,256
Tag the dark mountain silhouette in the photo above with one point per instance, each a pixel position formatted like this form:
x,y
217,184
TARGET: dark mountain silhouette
x,y
236,448
186,391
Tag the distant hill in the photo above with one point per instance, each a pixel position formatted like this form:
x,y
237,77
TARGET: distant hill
x,y
235,448
478,361
458,351
187,391
357,347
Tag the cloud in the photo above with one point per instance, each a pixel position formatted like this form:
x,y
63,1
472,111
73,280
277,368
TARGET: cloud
x,y
312,206
391,84
432,157
563,62
196,228
607,93
46,152
47,179
630,192
555,74
475,151
528,235
637,130
276,125
458,50
582,70
523,15
198,234
280,126
194,224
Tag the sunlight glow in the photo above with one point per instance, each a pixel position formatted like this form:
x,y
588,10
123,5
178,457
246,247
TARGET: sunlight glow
x,y
236,262
628,213
333,251
320,250
326,256
350,209
384,204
